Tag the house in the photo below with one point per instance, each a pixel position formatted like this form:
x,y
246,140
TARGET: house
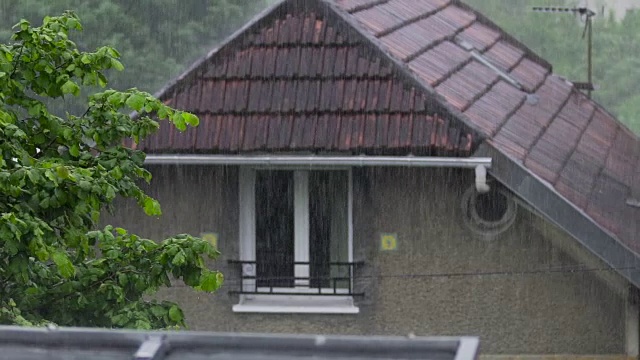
x,y
385,167
79,343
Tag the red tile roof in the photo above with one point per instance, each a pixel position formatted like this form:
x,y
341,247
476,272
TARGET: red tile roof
x,y
569,141
378,76
298,83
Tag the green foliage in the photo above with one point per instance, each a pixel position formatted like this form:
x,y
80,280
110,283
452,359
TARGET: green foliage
x,y
157,38
57,174
558,38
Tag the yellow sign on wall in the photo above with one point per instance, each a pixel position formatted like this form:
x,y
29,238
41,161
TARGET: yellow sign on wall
x,y
388,242
212,238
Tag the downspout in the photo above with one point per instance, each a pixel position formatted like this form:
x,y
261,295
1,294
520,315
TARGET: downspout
x,y
480,164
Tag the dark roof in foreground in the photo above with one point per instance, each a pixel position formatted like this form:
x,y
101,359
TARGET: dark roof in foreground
x,y
420,77
97,344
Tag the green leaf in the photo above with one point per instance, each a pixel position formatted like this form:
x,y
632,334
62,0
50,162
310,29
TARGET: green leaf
x,y
42,254
34,176
34,109
70,88
158,311
113,52
175,314
32,291
110,193
74,150
152,207
67,133
179,121
24,25
116,98
143,325
62,172
123,279
190,119
116,172
179,259
102,80
117,65
211,281
135,101
44,203
65,267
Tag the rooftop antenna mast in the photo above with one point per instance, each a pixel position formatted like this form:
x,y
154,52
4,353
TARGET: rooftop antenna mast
x,y
587,14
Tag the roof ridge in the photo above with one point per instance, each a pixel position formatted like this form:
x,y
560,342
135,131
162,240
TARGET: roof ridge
x,y
256,21
438,103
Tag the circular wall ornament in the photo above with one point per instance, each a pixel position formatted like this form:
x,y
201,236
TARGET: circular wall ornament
x,y
488,214
248,270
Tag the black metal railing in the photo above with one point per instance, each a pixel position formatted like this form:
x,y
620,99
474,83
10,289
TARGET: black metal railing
x,y
253,282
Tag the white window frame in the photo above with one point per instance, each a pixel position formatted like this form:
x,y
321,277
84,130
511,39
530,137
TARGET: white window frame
x,y
247,232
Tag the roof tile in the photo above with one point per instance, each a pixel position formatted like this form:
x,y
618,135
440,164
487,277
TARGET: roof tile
x,y
511,147
404,44
607,204
597,138
455,18
407,10
520,129
577,178
437,63
504,55
480,36
379,18
467,84
299,82
529,74
622,155
493,108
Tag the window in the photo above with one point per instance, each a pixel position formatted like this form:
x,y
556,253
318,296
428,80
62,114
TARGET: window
x,y
295,241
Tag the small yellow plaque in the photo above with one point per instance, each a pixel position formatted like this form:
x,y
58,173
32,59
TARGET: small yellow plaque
x,y
212,238
388,242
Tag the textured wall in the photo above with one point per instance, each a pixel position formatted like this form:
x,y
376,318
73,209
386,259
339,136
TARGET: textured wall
x,y
442,280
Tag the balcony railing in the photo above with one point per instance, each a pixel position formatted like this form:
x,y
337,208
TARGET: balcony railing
x,y
252,282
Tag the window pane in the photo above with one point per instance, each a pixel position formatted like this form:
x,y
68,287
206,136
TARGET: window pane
x,y
274,228
328,228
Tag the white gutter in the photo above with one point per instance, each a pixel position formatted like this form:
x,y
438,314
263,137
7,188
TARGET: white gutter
x,y
319,160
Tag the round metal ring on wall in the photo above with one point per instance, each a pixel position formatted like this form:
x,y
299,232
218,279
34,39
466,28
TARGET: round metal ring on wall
x,y
488,214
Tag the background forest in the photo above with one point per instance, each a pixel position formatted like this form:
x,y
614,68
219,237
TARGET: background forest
x,y
160,38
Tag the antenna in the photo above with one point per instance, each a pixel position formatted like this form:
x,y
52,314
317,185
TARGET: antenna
x,y
588,14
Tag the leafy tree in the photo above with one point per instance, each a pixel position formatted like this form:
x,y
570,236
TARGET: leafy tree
x,y
57,174
156,38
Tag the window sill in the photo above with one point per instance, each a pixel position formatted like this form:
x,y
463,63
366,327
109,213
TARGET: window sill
x,y
296,304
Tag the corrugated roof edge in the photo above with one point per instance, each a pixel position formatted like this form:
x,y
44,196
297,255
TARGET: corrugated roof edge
x,y
330,347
